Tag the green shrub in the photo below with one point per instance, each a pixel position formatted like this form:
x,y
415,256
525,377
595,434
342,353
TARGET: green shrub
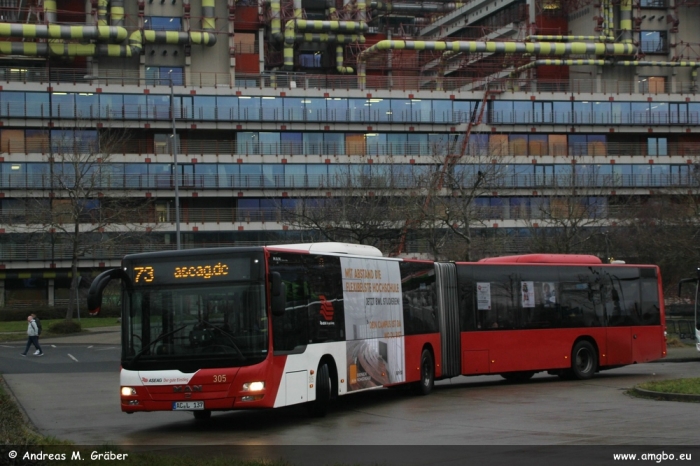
x,y
43,312
66,326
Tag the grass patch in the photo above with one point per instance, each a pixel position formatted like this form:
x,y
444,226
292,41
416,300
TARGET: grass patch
x,y
679,386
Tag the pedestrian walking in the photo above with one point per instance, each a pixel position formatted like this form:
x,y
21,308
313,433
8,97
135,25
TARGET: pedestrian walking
x,y
32,337
37,321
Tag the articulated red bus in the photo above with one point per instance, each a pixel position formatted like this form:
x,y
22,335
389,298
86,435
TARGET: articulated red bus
x,y
239,328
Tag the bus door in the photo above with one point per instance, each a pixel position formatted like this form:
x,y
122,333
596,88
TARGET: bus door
x,y
448,317
648,341
633,312
617,317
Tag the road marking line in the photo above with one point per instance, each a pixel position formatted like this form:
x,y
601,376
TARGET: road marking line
x,y
53,346
72,357
4,346
105,349
90,346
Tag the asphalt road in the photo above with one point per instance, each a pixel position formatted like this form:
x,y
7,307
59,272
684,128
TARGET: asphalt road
x,y
72,393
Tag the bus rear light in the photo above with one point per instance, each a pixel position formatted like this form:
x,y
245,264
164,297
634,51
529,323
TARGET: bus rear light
x,y
128,391
253,386
252,398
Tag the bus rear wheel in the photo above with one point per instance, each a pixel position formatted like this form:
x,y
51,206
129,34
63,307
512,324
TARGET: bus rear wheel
x,y
319,406
427,374
584,360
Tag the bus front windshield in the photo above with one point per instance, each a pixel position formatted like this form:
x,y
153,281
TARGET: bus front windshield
x,y
192,327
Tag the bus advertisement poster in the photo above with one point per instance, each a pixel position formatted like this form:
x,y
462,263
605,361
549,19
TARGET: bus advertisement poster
x,y
373,322
483,296
528,294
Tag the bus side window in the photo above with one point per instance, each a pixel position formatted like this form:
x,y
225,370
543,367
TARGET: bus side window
x,y
651,311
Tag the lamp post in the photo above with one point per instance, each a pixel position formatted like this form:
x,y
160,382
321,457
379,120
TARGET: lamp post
x,y
173,153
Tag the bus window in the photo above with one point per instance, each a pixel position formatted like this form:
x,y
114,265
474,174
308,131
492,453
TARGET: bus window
x,y
500,287
325,312
291,330
467,298
419,300
540,297
622,296
579,305
651,313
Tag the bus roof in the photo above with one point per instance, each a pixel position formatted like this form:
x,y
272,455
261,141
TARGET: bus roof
x,y
545,259
337,248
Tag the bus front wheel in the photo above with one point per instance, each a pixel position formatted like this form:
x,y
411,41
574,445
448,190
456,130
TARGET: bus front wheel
x,y
427,373
584,360
319,406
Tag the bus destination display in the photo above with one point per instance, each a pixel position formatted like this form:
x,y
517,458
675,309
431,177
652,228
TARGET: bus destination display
x,y
191,271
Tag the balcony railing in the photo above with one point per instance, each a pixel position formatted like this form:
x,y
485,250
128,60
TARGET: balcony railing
x,y
381,181
197,114
478,146
121,78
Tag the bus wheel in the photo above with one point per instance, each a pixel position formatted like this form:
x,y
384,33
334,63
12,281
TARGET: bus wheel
x,y
427,374
202,415
319,406
584,360
518,377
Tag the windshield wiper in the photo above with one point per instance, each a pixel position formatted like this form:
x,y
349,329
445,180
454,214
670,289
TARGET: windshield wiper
x,y
162,335
226,334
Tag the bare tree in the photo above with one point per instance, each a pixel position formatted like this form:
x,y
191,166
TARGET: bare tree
x,y
78,213
571,215
663,228
447,211
362,205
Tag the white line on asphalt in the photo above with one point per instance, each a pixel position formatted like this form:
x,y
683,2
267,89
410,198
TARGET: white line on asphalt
x,y
90,346
4,346
72,357
105,349
53,346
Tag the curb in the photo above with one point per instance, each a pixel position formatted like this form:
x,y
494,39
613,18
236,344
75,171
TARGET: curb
x,y
666,396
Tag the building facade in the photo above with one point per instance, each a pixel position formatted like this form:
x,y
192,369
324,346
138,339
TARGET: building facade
x,y
285,106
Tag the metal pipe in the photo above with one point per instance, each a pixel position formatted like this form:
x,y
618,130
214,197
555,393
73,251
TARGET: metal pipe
x,y
537,38
539,48
116,13
290,34
54,31
626,21
102,12
50,11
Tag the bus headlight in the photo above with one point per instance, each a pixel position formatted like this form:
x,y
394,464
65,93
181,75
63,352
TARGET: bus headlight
x,y
128,391
253,386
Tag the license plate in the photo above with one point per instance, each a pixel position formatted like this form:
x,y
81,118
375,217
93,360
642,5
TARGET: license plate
x,y
187,405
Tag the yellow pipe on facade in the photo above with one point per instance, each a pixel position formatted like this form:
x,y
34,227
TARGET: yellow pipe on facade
x,y
538,48
54,31
102,12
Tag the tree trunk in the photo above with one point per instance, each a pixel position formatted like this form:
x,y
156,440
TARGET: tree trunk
x,y
75,279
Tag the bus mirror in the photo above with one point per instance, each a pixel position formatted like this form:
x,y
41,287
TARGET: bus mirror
x,y
94,297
